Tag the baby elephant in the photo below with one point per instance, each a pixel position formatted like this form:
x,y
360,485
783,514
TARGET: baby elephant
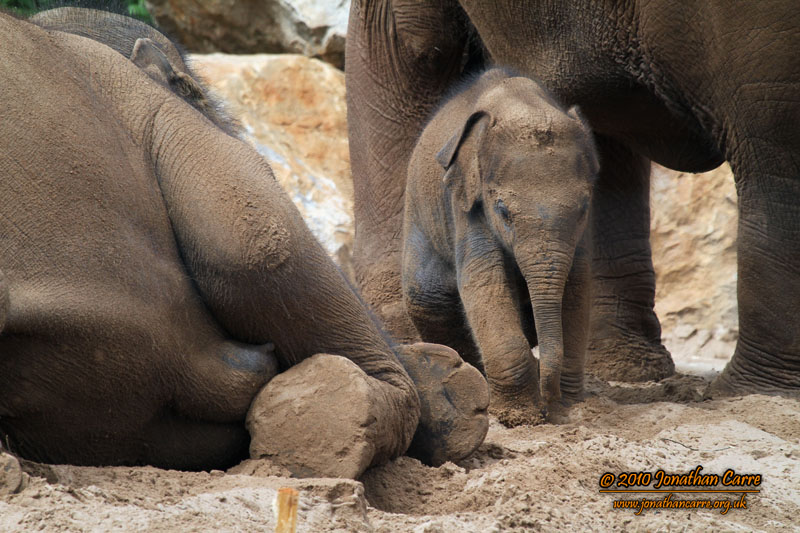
x,y
495,257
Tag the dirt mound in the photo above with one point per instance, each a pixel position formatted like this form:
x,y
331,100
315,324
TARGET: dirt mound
x,y
547,477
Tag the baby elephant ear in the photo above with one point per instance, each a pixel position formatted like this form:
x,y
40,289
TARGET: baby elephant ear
x,y
574,112
449,151
148,56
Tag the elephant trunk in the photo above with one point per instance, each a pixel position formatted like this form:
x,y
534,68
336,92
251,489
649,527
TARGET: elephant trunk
x,y
546,277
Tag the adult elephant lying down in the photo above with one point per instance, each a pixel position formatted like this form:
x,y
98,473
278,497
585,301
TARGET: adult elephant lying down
x,y
147,260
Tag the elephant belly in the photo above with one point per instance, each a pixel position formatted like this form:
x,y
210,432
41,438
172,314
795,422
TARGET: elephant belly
x,y
626,102
662,131
91,374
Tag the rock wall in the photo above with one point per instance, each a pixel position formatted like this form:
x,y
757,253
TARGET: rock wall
x,y
693,233
293,109
310,27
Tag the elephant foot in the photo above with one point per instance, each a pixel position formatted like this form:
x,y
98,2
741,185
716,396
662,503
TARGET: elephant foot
x,y
511,414
629,358
737,379
320,418
454,397
520,407
571,393
725,386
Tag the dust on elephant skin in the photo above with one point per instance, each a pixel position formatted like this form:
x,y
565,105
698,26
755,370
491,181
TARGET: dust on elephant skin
x,y
494,258
266,242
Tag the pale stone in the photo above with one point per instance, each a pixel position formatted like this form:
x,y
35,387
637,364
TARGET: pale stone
x,y
693,233
309,27
684,331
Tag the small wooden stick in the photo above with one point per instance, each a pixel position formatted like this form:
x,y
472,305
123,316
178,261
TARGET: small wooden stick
x,y
286,510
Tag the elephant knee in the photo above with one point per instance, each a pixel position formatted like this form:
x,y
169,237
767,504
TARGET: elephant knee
x,y
253,245
264,243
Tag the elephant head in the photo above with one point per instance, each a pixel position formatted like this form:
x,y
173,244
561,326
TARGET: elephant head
x,y
146,47
525,168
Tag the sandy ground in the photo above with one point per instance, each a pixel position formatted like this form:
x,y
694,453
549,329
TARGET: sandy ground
x,y
523,479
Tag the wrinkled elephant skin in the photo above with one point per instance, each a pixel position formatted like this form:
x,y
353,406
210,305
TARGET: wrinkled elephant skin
x,y
686,84
153,275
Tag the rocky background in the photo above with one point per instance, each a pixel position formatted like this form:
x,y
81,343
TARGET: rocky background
x,y
293,110
315,28
693,234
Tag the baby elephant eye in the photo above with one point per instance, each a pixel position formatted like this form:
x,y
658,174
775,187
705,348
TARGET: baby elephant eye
x,y
502,209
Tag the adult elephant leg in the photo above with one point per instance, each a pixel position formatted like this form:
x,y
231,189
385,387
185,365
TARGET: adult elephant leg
x,y
401,58
767,356
625,338
262,274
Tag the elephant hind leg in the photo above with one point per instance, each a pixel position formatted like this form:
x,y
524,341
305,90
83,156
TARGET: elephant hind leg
x,y
219,383
324,417
625,337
